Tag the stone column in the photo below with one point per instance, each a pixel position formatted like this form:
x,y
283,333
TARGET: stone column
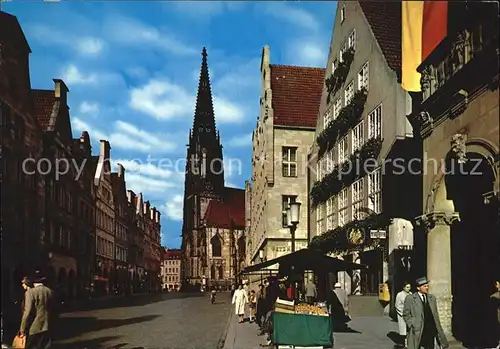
x,y
438,225
356,275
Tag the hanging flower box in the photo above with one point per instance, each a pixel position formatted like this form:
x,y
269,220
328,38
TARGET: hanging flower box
x,y
337,79
346,173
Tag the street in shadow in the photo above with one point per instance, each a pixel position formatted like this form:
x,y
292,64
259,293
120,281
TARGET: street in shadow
x,y
90,343
346,329
71,327
396,338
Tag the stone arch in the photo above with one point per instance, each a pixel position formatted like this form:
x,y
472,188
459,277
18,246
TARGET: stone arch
x,y
437,198
212,272
216,246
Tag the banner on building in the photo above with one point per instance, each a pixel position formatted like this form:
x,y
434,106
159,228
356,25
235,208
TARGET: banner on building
x,y
424,26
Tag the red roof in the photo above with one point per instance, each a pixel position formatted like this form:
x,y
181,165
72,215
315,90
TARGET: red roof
x,y
385,21
172,254
232,208
296,94
43,101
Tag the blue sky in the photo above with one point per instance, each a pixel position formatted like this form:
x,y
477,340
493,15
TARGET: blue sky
x,y
132,70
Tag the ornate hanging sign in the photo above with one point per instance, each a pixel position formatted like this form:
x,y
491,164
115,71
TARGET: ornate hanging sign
x,y
356,236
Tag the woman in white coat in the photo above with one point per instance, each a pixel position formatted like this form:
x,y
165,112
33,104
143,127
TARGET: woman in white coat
x,y
399,305
240,299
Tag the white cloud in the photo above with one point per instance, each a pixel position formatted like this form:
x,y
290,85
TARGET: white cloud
x,y
164,101
287,12
173,208
48,35
131,32
72,76
128,137
89,108
161,100
90,46
150,187
307,52
240,141
204,10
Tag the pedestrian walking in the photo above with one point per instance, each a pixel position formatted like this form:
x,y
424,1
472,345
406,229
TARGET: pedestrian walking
x,y
399,305
39,301
495,297
252,305
422,319
240,299
311,292
260,305
338,302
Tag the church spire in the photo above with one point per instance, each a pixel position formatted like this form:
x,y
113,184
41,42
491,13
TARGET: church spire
x,y
204,119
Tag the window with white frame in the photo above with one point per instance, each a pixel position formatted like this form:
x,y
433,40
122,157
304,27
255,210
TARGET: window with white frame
x,y
351,41
342,14
319,220
343,150
324,167
375,123
327,118
363,77
349,93
318,170
285,203
342,201
357,198
342,50
337,106
334,65
374,191
289,164
357,137
330,213
330,161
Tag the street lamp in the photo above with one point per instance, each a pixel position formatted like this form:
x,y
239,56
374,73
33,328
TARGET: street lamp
x,y
293,218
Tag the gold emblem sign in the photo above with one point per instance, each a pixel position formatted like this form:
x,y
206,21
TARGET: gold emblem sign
x,y
356,236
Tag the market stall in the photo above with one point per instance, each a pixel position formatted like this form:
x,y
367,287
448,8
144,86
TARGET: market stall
x,y
295,323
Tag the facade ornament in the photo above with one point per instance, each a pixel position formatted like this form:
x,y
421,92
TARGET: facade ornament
x,y
459,148
425,82
423,122
430,220
460,102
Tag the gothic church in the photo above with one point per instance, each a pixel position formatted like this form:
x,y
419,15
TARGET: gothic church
x,y
213,238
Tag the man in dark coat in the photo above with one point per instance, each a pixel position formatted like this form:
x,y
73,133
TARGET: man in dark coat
x,y
422,319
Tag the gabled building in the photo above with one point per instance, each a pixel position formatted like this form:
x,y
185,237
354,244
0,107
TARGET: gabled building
x,y
152,247
282,138
85,224
204,184
171,269
361,135
52,112
105,222
120,200
22,205
136,242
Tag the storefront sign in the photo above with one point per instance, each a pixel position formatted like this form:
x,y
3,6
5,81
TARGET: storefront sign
x,y
356,236
378,234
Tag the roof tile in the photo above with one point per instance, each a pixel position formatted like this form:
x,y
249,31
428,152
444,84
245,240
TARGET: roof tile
x,y
43,101
296,94
220,213
384,19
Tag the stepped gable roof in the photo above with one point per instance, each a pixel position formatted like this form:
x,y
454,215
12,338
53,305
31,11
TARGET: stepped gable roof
x,y
296,94
229,212
11,31
43,101
384,19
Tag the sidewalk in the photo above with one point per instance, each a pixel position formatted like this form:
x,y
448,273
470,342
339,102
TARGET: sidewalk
x,y
243,336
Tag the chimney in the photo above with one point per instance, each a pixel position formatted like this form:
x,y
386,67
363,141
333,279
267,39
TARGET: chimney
x,y
158,214
121,172
61,91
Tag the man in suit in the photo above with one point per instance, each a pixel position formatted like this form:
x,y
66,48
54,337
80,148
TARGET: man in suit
x,y
422,319
39,301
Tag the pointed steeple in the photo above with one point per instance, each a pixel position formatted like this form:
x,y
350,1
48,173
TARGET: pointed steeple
x,y
204,119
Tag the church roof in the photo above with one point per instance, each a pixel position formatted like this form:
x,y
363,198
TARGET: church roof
x,y
232,208
384,19
296,94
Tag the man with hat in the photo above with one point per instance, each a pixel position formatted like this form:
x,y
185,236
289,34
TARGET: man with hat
x,y
38,301
422,319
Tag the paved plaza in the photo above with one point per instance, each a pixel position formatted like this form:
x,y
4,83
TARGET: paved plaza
x,y
160,321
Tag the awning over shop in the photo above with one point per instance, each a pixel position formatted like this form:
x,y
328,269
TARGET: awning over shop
x,y
306,259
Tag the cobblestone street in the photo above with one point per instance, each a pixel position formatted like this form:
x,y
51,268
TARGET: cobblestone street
x,y
161,321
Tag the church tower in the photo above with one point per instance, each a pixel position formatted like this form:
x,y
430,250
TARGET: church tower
x,y
204,177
